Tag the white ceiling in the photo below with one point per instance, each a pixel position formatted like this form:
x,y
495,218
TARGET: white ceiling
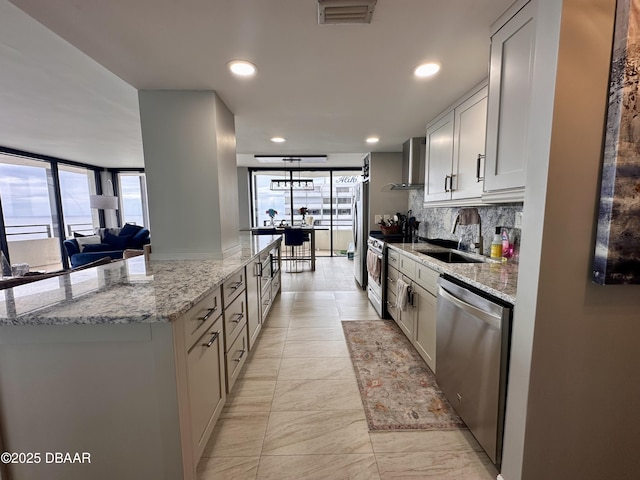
x,y
324,88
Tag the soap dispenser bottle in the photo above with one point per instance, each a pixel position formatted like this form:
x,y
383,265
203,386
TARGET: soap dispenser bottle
x,y
496,245
506,245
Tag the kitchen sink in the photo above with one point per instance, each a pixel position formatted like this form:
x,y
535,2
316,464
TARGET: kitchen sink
x,y
451,257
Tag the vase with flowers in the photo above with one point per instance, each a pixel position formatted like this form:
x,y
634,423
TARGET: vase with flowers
x,y
272,213
303,211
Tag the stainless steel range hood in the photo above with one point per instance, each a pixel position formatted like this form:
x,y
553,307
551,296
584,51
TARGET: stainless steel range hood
x,y
413,158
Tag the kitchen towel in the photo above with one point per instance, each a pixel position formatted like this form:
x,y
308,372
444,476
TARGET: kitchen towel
x,y
402,295
467,216
374,266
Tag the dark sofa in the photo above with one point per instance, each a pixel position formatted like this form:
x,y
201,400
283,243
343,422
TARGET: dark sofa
x,y
113,242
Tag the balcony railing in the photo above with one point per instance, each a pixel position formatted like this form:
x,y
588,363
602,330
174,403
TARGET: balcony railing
x,y
83,228
28,232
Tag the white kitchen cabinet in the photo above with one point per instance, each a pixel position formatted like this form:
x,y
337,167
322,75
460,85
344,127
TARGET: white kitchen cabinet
x,y
455,148
510,79
263,286
424,303
254,319
392,285
418,321
439,157
205,378
469,133
407,266
235,325
407,318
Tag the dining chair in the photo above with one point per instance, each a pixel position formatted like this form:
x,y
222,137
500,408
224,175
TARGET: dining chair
x,y
294,238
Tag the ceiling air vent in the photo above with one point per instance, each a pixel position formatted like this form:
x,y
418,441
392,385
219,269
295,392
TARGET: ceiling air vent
x,y
332,12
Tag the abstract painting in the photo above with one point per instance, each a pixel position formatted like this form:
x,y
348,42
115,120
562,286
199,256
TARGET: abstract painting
x,y
617,251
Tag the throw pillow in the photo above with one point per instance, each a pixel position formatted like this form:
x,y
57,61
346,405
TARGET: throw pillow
x,y
78,234
117,242
139,239
130,229
89,240
96,247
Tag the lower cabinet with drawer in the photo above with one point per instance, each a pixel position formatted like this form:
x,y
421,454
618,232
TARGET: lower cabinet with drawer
x,y
205,378
392,289
199,352
424,304
418,321
235,326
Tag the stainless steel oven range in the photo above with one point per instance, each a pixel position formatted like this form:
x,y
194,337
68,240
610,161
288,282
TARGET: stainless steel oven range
x,y
376,273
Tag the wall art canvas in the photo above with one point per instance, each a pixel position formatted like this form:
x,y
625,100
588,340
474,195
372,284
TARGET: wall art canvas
x,y
617,251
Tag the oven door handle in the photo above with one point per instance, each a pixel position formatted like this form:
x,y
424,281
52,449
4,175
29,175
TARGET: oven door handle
x,y
493,320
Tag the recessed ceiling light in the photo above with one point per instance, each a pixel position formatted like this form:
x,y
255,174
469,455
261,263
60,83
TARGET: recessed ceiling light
x,y
426,70
373,140
278,139
242,68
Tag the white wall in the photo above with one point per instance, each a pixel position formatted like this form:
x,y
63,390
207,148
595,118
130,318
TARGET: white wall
x,y
189,149
385,168
244,198
573,386
227,176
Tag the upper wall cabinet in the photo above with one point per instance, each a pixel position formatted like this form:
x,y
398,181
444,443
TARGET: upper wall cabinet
x,y
455,148
510,77
439,157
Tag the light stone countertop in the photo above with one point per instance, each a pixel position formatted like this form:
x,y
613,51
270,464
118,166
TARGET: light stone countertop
x,y
495,278
129,291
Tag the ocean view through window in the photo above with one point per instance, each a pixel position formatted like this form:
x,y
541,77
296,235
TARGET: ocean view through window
x,y
30,216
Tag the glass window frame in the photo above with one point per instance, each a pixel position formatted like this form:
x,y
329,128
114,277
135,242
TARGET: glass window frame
x,y
54,164
290,208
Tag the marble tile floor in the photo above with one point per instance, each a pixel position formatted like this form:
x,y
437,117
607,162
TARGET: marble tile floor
x,y
295,411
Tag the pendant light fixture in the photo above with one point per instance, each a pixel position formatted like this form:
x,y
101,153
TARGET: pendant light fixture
x,y
292,183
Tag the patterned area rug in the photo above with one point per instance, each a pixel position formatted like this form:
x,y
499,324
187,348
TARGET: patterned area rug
x,y
398,390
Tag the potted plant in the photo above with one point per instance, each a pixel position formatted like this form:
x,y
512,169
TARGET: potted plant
x,y
272,213
303,211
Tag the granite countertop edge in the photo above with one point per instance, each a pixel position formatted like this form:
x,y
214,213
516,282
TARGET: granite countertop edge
x,y
492,277
167,290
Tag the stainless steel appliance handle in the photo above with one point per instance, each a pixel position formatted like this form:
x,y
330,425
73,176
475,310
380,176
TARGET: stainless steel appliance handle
x,y
493,320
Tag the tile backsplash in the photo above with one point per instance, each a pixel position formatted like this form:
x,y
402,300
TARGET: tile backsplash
x,y
437,222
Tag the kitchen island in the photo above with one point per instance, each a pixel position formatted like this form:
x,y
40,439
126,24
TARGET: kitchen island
x,y
126,365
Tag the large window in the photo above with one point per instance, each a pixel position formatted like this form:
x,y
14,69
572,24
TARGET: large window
x,y
31,222
264,199
328,204
133,198
45,200
76,184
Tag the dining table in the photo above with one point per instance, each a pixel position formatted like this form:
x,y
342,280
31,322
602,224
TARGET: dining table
x,y
310,229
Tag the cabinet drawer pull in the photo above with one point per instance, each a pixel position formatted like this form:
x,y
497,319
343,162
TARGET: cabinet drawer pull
x,y
213,339
237,285
391,280
242,352
209,313
393,259
239,317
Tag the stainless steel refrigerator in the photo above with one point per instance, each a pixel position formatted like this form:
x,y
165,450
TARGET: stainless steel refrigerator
x,y
360,231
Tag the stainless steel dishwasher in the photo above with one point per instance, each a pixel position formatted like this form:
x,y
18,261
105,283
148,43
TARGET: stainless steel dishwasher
x,y
472,350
